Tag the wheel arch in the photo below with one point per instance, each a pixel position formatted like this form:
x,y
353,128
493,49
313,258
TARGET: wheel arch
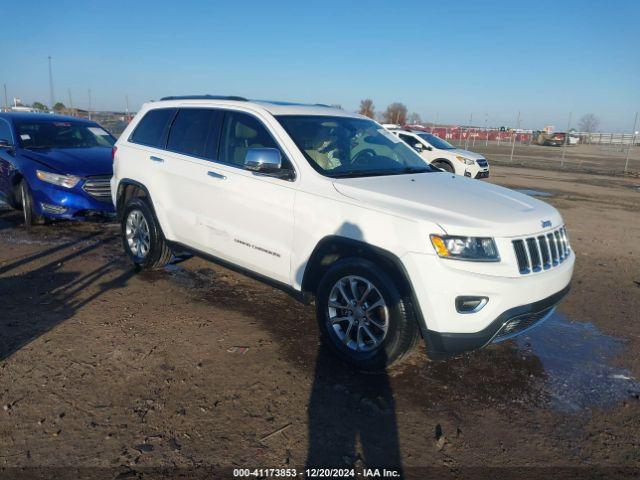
x,y
444,160
127,189
332,248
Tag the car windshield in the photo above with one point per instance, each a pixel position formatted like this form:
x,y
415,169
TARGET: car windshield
x,y
351,147
62,134
436,142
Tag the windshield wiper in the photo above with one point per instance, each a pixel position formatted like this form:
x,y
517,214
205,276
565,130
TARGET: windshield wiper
x,y
377,173
362,173
417,170
39,147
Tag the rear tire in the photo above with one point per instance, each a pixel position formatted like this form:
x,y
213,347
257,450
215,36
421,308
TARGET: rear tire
x,y
30,217
142,237
367,336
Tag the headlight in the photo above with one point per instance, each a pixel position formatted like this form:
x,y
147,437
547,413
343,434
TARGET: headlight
x,y
476,249
465,160
67,181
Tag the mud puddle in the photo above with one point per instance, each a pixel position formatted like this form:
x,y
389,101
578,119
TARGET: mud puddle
x,y
563,365
578,360
534,193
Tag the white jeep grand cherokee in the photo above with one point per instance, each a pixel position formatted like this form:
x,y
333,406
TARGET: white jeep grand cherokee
x,y
332,206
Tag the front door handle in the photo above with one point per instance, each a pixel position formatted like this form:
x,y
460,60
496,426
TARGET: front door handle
x,y
216,175
156,159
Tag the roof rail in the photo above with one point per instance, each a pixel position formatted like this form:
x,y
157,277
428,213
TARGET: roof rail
x,y
205,97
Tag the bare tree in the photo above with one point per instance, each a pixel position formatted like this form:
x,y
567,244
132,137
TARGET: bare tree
x,y
396,113
415,119
367,108
588,123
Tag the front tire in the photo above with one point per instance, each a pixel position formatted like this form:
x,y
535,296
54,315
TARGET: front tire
x,y
142,237
363,317
30,217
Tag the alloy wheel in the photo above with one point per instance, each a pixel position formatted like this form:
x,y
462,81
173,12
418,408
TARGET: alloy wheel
x,y
137,234
357,313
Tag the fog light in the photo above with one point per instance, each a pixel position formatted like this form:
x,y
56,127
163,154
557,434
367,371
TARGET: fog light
x,y
470,304
53,209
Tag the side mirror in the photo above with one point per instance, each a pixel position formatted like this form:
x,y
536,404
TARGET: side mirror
x,y
429,148
263,160
418,147
5,145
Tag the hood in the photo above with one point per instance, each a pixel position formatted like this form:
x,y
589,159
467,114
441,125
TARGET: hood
x,y
459,205
466,153
82,162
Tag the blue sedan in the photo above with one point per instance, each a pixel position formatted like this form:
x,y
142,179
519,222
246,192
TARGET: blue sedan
x,y
55,167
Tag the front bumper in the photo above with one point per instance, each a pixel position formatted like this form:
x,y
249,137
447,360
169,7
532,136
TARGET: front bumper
x,y
509,324
476,171
77,204
438,282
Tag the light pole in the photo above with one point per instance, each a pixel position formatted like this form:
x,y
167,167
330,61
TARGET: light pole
x,y
513,143
633,141
89,110
51,96
566,140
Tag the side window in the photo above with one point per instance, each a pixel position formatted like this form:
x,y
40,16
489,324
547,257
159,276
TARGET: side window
x,y
152,129
409,140
5,132
242,132
195,131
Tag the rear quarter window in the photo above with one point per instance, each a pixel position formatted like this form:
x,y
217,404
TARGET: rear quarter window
x,y
153,128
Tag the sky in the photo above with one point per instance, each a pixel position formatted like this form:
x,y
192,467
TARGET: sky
x,y
447,61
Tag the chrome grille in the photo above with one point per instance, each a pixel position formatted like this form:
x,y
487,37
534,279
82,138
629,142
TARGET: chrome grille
x,y
543,252
98,187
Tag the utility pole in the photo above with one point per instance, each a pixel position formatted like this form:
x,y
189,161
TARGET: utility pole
x,y
89,110
51,96
633,141
566,140
70,102
513,143
6,101
486,130
466,140
126,99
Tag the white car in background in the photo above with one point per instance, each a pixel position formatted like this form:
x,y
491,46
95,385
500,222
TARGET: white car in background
x,y
442,154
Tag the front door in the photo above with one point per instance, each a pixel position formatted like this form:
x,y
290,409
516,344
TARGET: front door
x,y
254,212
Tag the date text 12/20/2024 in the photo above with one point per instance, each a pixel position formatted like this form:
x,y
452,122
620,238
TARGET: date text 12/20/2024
x,y
315,473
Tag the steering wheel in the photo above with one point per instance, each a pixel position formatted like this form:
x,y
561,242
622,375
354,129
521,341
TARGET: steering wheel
x,y
363,157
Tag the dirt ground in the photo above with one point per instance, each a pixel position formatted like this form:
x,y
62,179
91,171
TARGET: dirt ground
x,y
110,373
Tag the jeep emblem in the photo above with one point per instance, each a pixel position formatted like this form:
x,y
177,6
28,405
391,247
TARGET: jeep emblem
x,y
546,223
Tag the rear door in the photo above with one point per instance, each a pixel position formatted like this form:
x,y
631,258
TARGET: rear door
x,y
191,186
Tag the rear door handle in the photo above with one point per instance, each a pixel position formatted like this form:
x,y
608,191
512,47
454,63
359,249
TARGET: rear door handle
x,y
156,159
216,175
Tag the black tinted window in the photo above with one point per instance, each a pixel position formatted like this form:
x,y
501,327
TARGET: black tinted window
x,y
152,129
195,132
242,132
410,140
5,132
